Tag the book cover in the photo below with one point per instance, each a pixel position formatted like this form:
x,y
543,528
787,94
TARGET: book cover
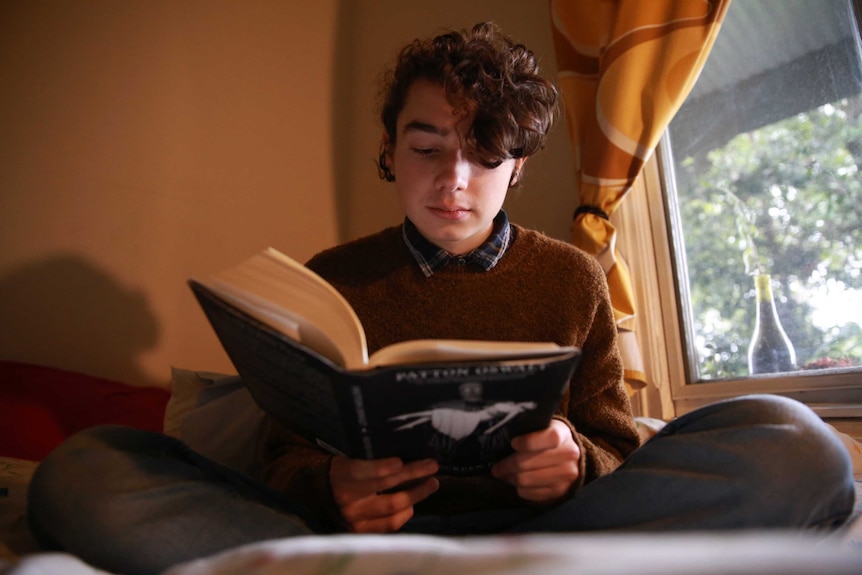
x,y
461,412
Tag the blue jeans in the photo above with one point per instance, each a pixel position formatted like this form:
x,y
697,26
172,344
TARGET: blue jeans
x,y
133,502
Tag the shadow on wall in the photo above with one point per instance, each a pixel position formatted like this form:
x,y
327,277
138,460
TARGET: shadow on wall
x,y
65,312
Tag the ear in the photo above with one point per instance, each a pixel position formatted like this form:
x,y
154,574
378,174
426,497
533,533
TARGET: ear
x,y
385,159
515,178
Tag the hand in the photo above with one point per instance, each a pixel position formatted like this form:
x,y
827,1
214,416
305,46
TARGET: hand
x,y
364,492
544,465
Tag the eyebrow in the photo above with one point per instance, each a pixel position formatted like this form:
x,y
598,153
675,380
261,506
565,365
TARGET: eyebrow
x,y
417,126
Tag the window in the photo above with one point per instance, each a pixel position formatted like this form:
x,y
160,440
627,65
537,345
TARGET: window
x,y
762,175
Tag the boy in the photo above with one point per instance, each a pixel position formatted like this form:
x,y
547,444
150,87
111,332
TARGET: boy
x,y
462,114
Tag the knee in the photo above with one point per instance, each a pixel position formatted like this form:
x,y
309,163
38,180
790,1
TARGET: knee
x,y
82,454
797,433
777,437
814,453
796,443
73,480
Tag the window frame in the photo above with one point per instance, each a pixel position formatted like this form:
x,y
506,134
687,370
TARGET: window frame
x,y
645,241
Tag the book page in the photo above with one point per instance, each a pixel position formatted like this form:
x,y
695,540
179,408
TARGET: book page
x,y
289,297
433,350
284,321
261,309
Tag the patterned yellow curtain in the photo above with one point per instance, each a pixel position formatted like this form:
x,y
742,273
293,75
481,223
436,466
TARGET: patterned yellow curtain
x,y
625,68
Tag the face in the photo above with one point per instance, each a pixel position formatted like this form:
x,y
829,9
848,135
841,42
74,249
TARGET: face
x,y
443,188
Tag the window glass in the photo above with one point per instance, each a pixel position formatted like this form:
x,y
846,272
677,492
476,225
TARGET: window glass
x,y
766,156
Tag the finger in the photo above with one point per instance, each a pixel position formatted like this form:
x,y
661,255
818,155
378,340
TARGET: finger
x,y
387,512
344,479
518,463
361,469
383,505
536,441
349,492
423,490
519,468
552,436
545,485
563,472
410,473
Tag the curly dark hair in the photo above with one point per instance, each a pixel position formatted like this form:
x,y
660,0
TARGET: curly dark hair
x,y
485,73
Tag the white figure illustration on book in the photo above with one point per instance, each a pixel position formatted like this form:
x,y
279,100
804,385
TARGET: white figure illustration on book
x,y
471,416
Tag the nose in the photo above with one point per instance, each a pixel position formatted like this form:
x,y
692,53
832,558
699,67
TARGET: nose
x,y
453,172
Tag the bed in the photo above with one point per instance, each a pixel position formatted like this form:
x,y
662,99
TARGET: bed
x,y
40,406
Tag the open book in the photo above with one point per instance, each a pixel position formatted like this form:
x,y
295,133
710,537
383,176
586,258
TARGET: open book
x,y
300,349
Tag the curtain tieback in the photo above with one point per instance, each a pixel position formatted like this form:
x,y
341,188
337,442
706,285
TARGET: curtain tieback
x,y
596,211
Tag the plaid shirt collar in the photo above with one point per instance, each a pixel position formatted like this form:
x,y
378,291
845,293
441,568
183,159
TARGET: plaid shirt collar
x,y
432,258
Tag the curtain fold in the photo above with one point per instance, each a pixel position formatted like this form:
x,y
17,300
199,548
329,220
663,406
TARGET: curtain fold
x,y
624,69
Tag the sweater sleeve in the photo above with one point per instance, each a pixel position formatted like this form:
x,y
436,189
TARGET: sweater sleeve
x,y
597,405
299,469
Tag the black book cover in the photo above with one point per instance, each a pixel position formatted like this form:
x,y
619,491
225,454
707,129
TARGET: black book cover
x,y
464,413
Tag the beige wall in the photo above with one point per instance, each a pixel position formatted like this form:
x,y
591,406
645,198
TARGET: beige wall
x,y
147,141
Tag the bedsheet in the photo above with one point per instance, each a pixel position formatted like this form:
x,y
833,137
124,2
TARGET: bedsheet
x,y
698,554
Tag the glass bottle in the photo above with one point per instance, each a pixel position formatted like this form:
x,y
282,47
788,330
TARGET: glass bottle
x,y
770,350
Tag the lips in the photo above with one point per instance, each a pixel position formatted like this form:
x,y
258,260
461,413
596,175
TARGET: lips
x,y
449,213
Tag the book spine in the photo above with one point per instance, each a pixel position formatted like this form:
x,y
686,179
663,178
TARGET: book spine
x,y
362,420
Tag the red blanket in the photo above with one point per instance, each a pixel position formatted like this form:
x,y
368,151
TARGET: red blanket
x,y
41,406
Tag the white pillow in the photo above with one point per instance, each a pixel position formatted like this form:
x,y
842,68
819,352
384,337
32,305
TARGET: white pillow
x,y
215,415
647,427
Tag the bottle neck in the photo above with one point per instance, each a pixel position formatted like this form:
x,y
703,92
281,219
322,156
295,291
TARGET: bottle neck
x,y
765,303
763,285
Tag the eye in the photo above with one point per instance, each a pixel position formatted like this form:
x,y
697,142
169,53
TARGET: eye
x,y
492,165
489,163
424,151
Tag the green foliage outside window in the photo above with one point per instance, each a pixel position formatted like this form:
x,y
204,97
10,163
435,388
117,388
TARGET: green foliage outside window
x,y
786,200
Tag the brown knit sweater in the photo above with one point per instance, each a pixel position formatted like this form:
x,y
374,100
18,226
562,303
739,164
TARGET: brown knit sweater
x,y
541,290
